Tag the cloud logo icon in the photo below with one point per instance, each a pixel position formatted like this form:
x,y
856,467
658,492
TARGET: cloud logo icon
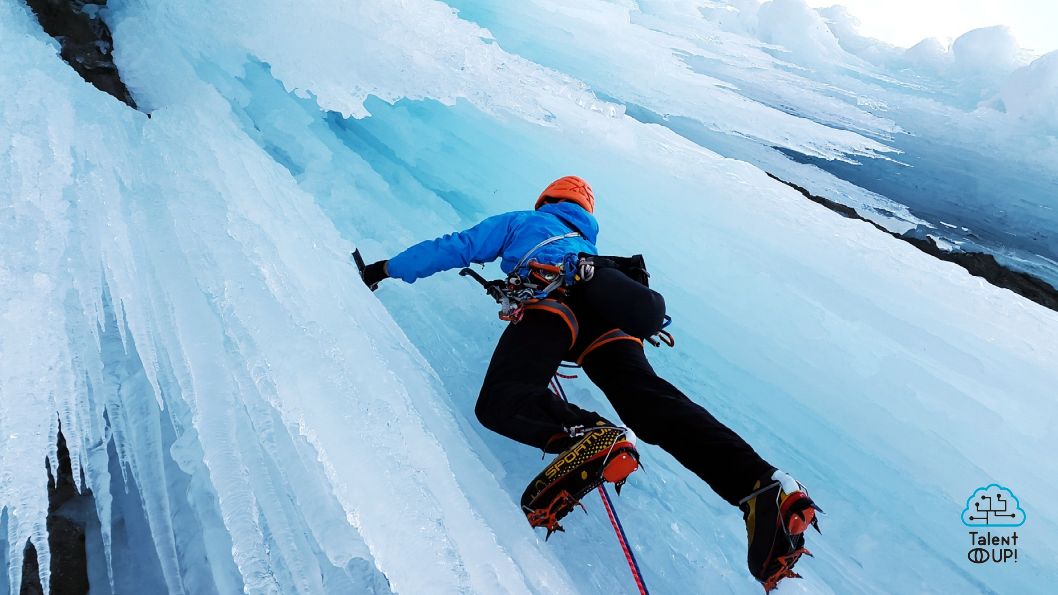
x,y
993,506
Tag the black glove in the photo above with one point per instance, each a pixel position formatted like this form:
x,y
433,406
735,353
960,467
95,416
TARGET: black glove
x,y
374,273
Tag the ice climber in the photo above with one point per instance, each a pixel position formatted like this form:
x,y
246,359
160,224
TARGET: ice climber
x,y
566,303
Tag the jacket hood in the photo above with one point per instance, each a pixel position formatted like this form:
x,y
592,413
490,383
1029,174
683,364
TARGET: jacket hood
x,y
576,217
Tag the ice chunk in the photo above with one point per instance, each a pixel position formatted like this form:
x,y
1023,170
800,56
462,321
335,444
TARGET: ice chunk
x,y
846,28
800,30
988,51
929,54
1031,92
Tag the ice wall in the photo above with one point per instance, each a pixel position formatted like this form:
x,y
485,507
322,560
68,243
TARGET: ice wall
x,y
184,284
169,291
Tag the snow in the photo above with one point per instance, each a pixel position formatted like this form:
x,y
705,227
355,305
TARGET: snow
x,y
1031,93
930,54
799,29
249,417
988,51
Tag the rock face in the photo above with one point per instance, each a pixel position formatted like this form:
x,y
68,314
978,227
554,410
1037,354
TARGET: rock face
x,y
977,263
85,41
66,534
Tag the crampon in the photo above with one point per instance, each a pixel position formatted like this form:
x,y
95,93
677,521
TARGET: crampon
x,y
784,569
602,454
548,517
777,514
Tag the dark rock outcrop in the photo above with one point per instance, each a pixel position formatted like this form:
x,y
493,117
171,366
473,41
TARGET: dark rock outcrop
x,y
66,534
85,41
978,264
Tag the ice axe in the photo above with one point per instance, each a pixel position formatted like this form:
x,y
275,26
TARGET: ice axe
x,y
360,266
493,288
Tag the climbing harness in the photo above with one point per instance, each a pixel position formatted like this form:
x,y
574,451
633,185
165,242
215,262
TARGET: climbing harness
x,y
528,282
518,293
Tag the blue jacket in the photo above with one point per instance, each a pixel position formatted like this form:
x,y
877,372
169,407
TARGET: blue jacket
x,y
510,235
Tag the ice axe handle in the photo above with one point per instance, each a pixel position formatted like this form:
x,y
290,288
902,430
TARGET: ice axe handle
x,y
491,287
475,276
360,266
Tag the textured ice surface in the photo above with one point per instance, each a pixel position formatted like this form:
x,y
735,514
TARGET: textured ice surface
x,y
170,286
177,292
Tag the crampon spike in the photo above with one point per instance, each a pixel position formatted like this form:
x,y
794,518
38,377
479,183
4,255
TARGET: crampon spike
x,y
773,582
785,569
548,517
553,529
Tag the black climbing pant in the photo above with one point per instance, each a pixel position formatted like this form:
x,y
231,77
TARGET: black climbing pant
x,y
516,401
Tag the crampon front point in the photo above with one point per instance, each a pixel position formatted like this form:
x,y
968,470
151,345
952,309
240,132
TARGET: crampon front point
x,y
785,569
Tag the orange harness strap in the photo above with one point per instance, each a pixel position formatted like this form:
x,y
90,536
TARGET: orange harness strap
x,y
607,337
557,307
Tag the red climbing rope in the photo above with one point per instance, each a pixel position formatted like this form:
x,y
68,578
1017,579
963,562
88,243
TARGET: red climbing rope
x,y
611,512
623,540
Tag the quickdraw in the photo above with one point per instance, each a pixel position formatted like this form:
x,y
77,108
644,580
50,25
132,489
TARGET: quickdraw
x,y
663,336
